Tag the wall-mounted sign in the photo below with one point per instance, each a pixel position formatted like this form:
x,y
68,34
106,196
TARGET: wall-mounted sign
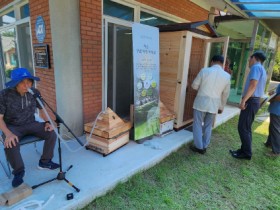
x,y
40,29
41,56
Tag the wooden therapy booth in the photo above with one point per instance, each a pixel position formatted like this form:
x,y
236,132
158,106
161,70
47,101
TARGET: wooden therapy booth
x,y
185,48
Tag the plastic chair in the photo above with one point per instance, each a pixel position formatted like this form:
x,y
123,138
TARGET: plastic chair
x,y
25,140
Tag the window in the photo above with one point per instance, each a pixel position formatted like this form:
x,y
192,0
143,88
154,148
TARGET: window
x,y
125,12
262,38
24,11
117,10
8,43
7,18
15,40
153,20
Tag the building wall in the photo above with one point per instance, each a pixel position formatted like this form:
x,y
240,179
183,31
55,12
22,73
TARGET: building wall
x,y
47,83
91,41
91,55
184,9
5,2
91,46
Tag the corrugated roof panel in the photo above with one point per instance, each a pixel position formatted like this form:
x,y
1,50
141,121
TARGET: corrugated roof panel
x,y
255,1
265,14
259,8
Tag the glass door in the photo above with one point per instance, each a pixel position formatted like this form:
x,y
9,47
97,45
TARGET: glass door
x,y
238,53
216,46
118,68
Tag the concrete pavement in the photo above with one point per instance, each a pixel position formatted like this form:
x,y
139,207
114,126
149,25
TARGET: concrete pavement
x,y
92,173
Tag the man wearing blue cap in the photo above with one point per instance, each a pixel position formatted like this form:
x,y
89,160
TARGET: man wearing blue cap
x,y
17,109
250,104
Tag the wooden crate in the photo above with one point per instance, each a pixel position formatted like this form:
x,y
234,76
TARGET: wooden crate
x,y
106,146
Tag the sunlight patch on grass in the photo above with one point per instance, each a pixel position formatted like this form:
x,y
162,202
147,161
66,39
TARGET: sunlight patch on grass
x,y
262,128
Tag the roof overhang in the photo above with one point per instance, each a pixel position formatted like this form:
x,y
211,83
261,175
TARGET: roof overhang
x,y
267,11
196,27
273,24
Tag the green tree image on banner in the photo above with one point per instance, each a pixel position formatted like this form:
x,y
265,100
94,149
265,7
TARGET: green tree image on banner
x,y
146,80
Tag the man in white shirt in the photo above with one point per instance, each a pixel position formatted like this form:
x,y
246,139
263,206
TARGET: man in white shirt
x,y
213,86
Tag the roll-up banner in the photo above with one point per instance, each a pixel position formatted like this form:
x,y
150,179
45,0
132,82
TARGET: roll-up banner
x,y
146,80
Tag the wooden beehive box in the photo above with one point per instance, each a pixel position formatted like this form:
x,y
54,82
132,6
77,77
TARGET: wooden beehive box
x,y
106,146
110,132
165,114
166,120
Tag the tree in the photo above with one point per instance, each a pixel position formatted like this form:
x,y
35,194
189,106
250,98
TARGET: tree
x,y
8,34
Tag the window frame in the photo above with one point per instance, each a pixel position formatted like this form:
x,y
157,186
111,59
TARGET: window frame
x,y
15,6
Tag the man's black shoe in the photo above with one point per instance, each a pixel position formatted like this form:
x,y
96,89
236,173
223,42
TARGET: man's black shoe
x,y
235,151
200,151
48,165
266,144
240,156
18,179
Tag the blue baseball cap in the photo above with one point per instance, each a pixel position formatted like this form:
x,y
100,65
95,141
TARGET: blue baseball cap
x,y
19,74
260,55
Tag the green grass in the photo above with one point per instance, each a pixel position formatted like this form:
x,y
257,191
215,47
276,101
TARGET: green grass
x,y
186,180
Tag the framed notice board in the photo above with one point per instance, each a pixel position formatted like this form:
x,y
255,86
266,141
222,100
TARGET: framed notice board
x,y
41,56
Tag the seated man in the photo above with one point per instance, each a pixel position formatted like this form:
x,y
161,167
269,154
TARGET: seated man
x,y
17,109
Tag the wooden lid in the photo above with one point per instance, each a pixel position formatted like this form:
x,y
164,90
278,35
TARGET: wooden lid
x,y
108,120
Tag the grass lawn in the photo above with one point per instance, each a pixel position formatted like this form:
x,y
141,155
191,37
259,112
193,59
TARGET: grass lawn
x,y
186,180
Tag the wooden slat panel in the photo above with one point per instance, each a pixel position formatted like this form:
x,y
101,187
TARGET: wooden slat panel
x,y
169,54
196,63
106,146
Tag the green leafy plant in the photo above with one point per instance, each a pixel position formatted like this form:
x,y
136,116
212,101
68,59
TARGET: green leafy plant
x,y
8,73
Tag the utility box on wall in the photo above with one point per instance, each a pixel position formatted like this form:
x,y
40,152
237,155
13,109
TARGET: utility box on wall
x,y
184,51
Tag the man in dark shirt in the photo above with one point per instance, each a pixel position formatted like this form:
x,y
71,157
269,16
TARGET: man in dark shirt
x,y
17,109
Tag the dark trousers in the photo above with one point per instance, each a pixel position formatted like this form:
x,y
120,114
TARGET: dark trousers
x,y
246,119
274,133
36,129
